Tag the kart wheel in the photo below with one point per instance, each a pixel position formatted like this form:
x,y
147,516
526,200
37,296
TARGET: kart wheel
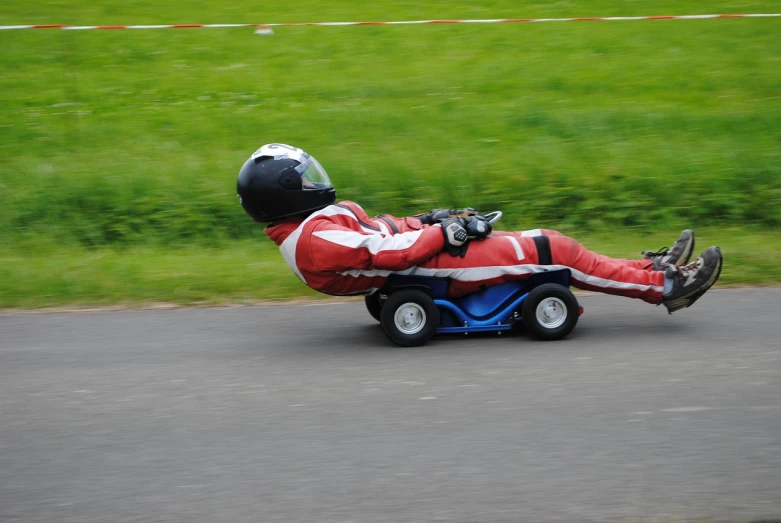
x,y
409,318
373,304
550,312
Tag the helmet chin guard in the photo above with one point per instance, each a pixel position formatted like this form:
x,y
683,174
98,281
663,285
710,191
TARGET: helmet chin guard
x,y
280,181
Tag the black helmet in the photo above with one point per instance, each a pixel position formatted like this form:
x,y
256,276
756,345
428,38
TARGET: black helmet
x,y
279,181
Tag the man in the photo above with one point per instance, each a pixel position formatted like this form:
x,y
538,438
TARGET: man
x,y
338,249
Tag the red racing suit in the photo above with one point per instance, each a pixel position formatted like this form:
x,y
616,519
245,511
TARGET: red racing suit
x,y
340,250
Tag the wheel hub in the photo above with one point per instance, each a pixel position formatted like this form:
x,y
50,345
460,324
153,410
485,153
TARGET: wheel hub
x,y
410,318
551,313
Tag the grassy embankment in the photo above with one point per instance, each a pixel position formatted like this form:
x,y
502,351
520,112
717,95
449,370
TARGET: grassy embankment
x,y
119,150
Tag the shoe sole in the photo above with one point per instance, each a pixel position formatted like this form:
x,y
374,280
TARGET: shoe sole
x,y
696,296
687,252
687,300
685,255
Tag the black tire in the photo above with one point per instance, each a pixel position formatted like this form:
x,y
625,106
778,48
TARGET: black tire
x,y
373,304
563,308
415,306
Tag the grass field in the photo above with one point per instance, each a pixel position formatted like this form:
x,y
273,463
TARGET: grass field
x,y
119,149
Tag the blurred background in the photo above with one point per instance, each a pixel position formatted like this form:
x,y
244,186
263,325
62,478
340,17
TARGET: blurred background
x,y
119,149
119,152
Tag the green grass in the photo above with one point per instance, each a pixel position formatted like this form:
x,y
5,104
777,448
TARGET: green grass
x,y
245,272
119,149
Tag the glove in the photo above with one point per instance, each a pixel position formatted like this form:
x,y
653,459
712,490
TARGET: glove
x,y
458,232
477,227
439,215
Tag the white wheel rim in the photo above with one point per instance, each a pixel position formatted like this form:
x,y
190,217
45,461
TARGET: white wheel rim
x,y
410,318
551,313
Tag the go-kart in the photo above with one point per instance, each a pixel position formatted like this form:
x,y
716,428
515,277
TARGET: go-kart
x,y
411,309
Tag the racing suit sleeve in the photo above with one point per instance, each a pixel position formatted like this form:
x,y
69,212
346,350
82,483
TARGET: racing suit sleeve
x,y
335,248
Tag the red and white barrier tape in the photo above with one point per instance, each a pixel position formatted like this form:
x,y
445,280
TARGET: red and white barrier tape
x,y
167,26
262,27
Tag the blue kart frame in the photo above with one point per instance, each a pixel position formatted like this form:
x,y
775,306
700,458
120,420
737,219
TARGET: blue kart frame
x,y
492,309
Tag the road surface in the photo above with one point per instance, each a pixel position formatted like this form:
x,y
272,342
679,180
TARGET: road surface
x,y
306,413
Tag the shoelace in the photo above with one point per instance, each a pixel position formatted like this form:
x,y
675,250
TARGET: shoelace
x,y
684,270
651,254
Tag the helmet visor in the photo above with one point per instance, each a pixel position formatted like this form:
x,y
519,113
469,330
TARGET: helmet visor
x,y
313,176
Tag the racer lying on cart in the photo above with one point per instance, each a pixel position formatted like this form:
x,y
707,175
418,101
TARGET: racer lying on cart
x,y
336,248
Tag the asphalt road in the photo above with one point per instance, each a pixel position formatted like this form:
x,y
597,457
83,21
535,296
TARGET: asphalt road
x,y
307,413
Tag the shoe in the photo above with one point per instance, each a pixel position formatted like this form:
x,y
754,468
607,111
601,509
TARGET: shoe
x,y
692,280
678,255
